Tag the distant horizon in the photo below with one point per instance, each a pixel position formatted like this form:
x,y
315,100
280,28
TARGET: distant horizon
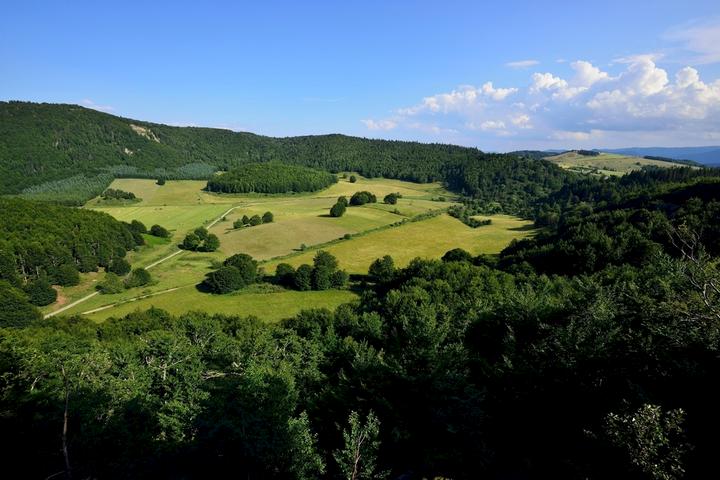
x,y
559,149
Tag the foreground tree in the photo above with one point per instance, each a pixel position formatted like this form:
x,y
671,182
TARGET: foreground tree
x,y
357,459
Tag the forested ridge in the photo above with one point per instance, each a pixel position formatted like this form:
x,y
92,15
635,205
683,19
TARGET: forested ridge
x,y
41,144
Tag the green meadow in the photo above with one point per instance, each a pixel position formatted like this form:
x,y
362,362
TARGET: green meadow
x,y
301,226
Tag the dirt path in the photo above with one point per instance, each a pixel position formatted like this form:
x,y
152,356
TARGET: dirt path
x,y
88,297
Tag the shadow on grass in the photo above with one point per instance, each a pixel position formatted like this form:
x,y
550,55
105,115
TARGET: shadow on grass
x,y
524,228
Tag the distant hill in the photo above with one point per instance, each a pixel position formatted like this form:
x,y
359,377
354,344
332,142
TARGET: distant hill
x,y
68,153
609,164
704,155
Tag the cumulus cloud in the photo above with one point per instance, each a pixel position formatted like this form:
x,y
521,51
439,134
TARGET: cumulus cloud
x,y
522,64
591,105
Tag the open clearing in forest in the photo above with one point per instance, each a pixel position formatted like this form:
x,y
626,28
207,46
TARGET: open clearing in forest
x,y
611,164
269,306
429,238
375,230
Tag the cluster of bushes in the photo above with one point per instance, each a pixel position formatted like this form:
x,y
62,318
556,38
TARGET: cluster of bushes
x,y
236,272
270,177
117,194
253,221
139,228
465,215
338,210
322,275
361,198
391,198
114,281
200,240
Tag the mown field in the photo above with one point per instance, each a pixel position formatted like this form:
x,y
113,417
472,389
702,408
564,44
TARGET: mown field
x,y
300,219
605,163
429,238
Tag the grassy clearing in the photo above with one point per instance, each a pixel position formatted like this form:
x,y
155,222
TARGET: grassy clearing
x,y
427,239
270,306
605,163
181,206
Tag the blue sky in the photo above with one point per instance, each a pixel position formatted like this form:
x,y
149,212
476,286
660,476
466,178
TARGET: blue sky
x,y
499,76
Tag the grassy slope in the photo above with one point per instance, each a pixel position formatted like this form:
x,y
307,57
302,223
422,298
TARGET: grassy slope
x,y
182,205
428,239
271,306
605,163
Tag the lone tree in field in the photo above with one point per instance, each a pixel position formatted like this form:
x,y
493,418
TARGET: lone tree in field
x,y
158,231
337,210
391,198
137,278
353,179
268,217
225,279
160,181
361,198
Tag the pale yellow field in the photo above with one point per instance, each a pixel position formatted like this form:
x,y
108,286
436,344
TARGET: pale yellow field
x,y
606,163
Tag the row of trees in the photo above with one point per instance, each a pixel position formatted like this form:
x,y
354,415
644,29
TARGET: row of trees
x,y
323,274
117,194
253,221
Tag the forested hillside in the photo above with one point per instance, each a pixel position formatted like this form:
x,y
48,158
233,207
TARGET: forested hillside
x,y
43,240
68,153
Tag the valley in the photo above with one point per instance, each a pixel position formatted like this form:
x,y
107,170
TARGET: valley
x,y
414,227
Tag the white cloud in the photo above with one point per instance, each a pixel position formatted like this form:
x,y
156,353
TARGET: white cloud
x,y
86,102
702,39
522,64
586,74
639,101
379,124
547,81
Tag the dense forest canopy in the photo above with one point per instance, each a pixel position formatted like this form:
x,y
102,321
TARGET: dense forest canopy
x,y
270,177
39,239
